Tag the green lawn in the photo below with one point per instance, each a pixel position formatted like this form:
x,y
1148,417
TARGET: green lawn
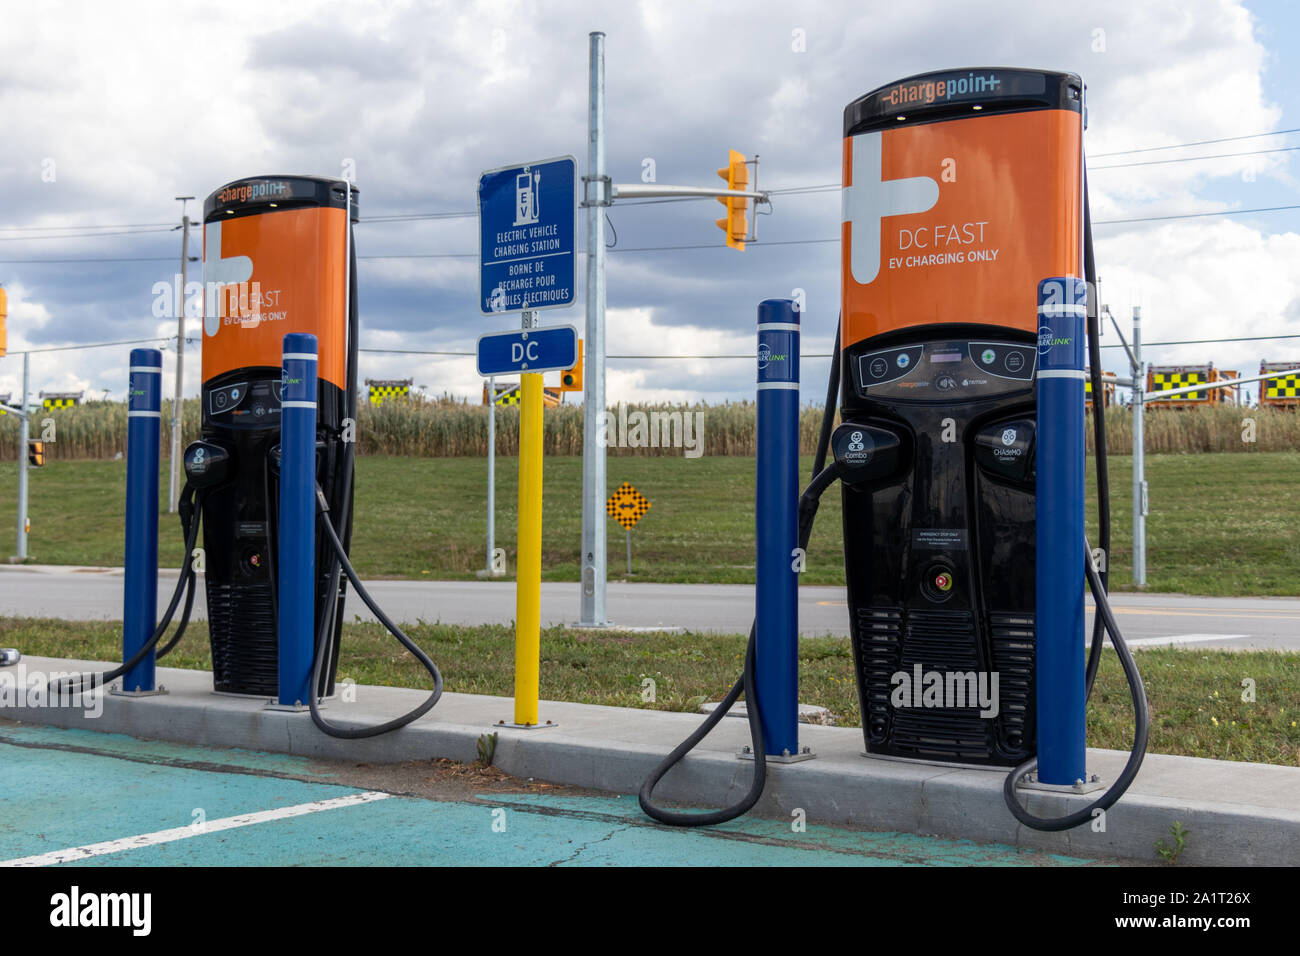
x,y
1220,524
1195,695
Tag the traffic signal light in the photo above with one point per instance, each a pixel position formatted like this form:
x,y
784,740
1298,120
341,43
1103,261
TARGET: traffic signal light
x,y
571,378
736,223
4,312
36,453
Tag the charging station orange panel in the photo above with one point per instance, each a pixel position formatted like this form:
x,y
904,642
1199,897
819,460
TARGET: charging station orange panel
x,y
285,272
957,221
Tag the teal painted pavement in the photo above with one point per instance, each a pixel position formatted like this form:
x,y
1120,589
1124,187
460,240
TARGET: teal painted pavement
x,y
68,788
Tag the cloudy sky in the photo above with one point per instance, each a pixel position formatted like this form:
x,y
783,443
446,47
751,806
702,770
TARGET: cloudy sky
x,y
111,110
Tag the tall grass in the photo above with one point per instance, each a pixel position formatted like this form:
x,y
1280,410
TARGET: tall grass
x,y
447,427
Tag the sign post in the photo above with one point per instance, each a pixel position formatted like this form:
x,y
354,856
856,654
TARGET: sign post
x,y
527,256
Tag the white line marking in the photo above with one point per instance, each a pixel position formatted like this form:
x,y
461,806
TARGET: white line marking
x,y
1183,639
78,853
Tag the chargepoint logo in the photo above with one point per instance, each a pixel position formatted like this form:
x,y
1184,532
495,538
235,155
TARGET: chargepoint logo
x,y
871,199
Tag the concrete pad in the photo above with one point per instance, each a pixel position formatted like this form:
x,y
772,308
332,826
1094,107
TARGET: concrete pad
x,y
1236,813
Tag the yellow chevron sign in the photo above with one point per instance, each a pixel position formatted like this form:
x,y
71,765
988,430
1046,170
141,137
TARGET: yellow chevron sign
x,y
627,505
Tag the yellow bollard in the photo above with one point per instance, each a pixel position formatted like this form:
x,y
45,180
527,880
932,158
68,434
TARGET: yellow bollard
x,y
528,579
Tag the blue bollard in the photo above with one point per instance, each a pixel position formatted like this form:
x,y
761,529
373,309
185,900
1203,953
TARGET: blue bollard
x,y
296,555
1059,570
776,675
140,589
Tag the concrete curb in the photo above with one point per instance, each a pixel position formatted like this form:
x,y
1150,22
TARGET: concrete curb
x,y
1238,814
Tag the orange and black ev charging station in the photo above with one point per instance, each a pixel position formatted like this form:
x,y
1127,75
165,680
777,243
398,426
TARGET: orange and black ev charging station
x,y
967,275
961,192
276,255
278,269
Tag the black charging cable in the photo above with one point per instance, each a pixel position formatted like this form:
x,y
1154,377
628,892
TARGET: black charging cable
x,y
1098,580
184,582
339,565
1141,728
323,647
808,504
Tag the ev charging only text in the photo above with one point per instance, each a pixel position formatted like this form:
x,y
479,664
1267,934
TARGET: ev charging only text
x,y
943,244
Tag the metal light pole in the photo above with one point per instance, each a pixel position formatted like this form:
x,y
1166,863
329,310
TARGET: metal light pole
x,y
174,466
24,434
492,473
596,196
1139,457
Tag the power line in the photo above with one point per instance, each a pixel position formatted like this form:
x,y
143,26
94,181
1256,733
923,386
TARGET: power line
x,y
146,228
38,262
86,235
96,345
1195,215
123,225
1203,142
1191,159
670,248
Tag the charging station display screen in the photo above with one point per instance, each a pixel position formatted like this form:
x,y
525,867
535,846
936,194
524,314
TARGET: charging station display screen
x,y
956,220
268,274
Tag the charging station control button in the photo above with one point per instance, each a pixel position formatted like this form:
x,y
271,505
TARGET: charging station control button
x,y
937,583
880,368
1004,359
227,398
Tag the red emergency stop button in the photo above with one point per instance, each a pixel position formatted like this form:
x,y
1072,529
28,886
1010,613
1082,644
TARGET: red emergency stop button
x,y
943,581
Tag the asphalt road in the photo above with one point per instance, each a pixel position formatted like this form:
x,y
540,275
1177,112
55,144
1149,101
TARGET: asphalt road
x,y
1147,619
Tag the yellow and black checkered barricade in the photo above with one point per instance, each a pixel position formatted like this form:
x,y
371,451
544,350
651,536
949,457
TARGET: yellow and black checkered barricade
x,y
509,395
55,400
1282,391
1169,377
627,505
388,390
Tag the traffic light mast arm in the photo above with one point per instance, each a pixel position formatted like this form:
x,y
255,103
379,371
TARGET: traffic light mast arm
x,y
12,410
656,191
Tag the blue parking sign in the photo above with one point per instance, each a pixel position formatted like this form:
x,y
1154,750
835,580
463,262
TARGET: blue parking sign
x,y
528,236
